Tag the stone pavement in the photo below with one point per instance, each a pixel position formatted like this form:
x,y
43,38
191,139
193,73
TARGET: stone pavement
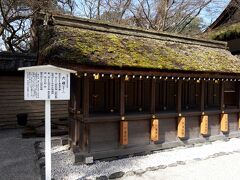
x,y
225,167
17,157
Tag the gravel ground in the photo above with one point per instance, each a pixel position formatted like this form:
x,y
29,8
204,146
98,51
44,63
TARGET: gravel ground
x,y
17,157
63,167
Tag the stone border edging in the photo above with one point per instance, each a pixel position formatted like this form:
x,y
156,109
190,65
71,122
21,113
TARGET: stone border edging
x,y
120,174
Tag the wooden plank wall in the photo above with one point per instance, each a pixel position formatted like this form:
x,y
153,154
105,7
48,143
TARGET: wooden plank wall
x,y
12,103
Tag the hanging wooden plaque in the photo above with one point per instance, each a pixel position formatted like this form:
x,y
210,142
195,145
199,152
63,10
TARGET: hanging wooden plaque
x,y
154,130
123,132
204,125
224,122
181,127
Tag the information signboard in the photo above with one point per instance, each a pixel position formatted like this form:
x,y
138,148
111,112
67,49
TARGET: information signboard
x,y
47,83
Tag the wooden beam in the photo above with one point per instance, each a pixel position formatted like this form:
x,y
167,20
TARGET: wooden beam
x,y
150,72
122,97
123,132
154,130
224,122
153,95
85,96
204,125
202,96
181,127
179,96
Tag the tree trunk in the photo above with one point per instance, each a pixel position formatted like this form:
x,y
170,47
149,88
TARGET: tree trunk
x,y
161,16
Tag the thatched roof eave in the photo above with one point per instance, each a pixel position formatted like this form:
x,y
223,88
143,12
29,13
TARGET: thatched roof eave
x,y
84,42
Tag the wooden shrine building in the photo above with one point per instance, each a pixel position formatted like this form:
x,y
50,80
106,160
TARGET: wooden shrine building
x,y
137,91
227,27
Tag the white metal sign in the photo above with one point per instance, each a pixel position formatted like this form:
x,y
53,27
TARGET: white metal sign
x,y
46,84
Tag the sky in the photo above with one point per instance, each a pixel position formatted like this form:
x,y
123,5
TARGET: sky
x,y
210,14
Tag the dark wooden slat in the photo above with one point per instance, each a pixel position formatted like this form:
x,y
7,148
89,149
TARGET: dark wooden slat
x,y
12,103
179,96
202,96
222,96
192,127
167,129
214,125
164,93
139,132
122,97
104,141
153,95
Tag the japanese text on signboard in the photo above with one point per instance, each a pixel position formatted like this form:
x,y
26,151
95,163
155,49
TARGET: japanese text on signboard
x,y
46,85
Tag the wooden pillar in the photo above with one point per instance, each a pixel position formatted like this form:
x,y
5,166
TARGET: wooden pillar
x,y
153,95
78,99
222,96
85,96
122,97
139,93
74,110
154,134
164,94
223,116
85,133
154,130
181,120
123,122
204,125
78,109
202,96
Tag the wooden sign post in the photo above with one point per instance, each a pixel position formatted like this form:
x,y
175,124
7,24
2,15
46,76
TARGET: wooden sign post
x,y
123,132
181,127
154,130
204,125
224,122
47,83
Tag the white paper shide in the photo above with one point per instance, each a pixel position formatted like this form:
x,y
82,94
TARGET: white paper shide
x,y
46,84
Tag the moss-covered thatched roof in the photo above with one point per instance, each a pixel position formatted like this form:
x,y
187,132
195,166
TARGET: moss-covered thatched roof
x,y
225,33
105,47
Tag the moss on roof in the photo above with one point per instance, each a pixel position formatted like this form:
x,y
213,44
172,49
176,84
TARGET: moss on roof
x,y
225,33
90,47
